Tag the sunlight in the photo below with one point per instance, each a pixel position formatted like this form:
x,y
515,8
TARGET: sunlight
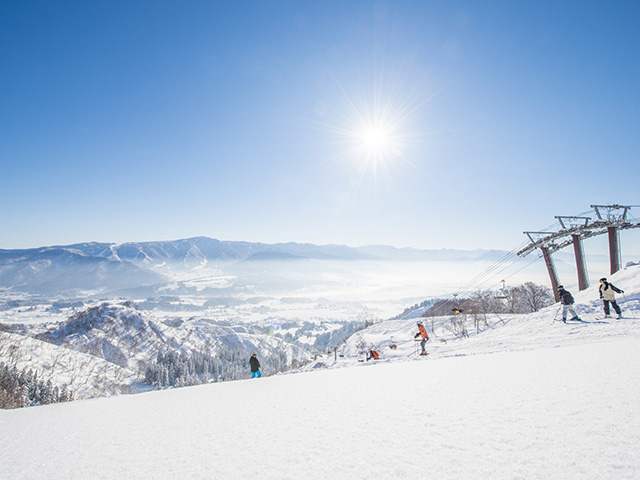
x,y
377,132
376,128
376,140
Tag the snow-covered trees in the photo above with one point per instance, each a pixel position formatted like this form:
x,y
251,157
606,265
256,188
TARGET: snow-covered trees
x,y
175,369
337,336
21,388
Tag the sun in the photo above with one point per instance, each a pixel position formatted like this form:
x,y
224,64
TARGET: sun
x,y
376,129
376,140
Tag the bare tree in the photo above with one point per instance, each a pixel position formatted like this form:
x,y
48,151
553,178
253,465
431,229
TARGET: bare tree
x,y
457,325
533,297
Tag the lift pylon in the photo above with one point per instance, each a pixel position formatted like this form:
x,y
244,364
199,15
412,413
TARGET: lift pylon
x,y
610,219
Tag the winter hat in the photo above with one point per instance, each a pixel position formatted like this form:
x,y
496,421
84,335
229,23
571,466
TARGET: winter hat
x,y
603,279
560,287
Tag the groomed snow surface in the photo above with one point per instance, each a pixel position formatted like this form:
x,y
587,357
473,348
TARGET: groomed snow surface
x,y
501,405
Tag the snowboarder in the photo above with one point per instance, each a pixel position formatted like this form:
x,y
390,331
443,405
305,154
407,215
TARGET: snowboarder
x,y
425,337
566,299
255,366
373,355
608,295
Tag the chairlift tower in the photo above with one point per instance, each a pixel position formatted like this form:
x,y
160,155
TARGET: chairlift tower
x,y
571,223
608,219
547,247
502,295
616,216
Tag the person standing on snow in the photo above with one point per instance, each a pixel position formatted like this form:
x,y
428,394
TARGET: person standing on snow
x,y
608,295
422,333
255,366
566,299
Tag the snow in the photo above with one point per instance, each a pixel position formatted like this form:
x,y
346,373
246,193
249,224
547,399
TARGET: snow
x,y
568,412
528,398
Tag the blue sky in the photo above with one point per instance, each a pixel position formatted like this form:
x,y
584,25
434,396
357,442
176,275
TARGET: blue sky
x,y
409,123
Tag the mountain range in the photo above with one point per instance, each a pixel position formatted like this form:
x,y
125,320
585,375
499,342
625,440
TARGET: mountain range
x,y
118,267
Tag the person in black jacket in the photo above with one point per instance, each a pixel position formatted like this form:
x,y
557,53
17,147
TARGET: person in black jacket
x,y
255,366
566,299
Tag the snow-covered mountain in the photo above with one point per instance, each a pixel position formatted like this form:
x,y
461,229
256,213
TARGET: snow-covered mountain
x,y
119,268
59,269
522,397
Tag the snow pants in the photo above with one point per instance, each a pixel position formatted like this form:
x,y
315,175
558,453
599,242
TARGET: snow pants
x,y
256,374
568,309
422,344
613,304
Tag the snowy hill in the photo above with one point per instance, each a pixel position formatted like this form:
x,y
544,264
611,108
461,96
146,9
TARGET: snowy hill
x,y
504,332
104,350
526,397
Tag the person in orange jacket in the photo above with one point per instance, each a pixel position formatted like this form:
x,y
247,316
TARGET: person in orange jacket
x,y
425,337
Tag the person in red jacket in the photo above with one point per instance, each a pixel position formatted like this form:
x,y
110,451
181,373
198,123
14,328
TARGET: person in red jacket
x,y
425,337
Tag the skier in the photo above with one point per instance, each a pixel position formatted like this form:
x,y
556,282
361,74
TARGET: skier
x,y
373,355
255,366
566,299
422,333
608,295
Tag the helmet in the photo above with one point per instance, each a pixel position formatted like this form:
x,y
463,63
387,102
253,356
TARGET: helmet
x,y
419,322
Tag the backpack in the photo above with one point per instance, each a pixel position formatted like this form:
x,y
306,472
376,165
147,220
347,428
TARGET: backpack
x,y
567,298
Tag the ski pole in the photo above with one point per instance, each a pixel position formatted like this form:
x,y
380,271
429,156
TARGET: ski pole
x,y
556,315
630,310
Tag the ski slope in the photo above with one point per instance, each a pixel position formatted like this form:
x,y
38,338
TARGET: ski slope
x,y
528,398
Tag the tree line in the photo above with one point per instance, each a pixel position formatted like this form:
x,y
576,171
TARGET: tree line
x,y
180,369
23,388
525,298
